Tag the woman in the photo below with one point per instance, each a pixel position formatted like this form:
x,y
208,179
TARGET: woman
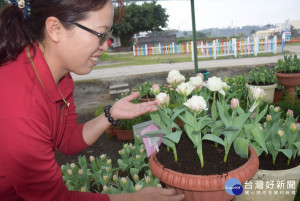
x,y
41,42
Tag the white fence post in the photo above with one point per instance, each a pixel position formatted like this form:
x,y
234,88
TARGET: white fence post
x,y
173,45
134,50
214,49
275,44
187,47
159,48
266,46
256,45
192,48
146,49
234,46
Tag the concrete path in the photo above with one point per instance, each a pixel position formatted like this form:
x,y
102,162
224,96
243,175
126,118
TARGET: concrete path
x,y
145,69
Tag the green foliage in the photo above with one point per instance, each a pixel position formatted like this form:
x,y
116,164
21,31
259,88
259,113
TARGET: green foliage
x,y
262,76
289,64
98,175
285,104
4,3
139,18
126,124
145,90
238,88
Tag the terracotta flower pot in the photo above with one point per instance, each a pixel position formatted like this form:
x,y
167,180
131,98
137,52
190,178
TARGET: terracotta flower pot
x,y
277,96
284,188
269,90
199,187
111,130
142,100
124,134
290,81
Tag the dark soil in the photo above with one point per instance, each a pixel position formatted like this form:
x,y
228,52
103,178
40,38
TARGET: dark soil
x,y
260,84
265,162
106,144
189,162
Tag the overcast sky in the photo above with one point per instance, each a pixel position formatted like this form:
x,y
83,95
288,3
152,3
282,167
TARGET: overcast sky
x,y
225,13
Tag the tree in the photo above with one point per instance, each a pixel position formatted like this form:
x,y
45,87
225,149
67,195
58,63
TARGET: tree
x,y
140,18
3,3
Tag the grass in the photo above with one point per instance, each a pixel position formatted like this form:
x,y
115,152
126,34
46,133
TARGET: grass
x,y
112,60
127,59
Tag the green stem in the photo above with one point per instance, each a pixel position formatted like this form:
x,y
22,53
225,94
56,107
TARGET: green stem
x,y
175,153
289,160
200,154
226,155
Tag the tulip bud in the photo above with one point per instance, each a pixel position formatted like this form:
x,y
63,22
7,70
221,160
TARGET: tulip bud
x,y
92,158
136,177
105,188
138,157
162,100
234,103
138,187
83,189
147,179
62,167
115,178
159,186
293,127
80,172
290,113
280,133
108,162
155,89
69,172
72,165
271,106
103,156
123,180
142,151
269,118
107,169
277,109
261,128
105,178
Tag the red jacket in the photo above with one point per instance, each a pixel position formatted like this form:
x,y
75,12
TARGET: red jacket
x,y
34,122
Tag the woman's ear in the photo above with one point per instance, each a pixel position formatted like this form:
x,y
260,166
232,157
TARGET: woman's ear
x,y
53,29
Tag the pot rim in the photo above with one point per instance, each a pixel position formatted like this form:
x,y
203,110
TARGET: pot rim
x,y
210,182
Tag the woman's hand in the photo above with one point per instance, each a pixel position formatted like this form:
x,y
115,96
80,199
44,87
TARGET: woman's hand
x,y
124,109
149,194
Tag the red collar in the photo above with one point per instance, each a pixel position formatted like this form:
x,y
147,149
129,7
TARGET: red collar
x,y
45,77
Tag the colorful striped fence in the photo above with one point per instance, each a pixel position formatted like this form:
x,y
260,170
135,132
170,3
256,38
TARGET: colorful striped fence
x,y
235,47
212,49
181,48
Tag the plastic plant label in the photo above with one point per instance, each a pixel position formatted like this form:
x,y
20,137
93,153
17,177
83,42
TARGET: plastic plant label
x,y
151,143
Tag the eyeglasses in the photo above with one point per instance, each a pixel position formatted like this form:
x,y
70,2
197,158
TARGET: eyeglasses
x,y
102,37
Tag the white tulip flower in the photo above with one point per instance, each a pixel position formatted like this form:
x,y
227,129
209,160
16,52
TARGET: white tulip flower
x,y
196,104
175,78
185,89
197,82
215,84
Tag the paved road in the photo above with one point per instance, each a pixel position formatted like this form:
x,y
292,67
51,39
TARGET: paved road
x,y
144,69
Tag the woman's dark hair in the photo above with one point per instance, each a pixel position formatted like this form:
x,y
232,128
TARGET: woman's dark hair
x,y
18,31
